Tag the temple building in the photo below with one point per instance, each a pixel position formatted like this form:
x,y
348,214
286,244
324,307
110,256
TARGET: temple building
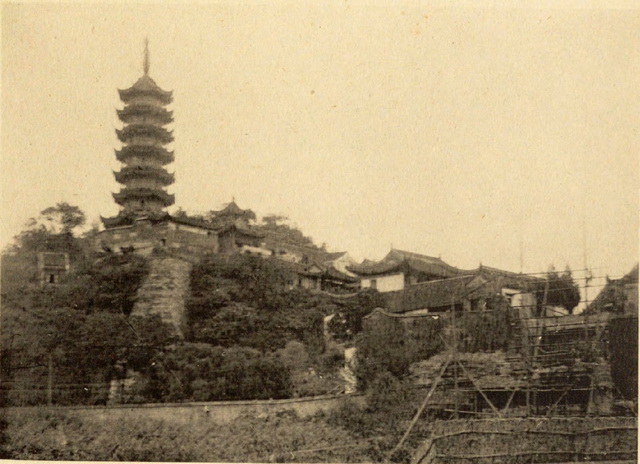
x,y
413,283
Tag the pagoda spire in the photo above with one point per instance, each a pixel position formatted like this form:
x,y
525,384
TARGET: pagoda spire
x,y
146,61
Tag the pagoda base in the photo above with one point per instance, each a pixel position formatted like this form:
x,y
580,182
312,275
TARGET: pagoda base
x,y
145,234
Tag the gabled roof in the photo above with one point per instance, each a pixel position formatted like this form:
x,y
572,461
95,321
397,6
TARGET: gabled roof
x,y
336,274
430,294
277,242
398,260
336,255
194,222
306,269
508,278
127,193
232,209
242,230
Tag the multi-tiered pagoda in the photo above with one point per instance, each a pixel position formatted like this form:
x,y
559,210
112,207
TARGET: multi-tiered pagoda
x,y
143,224
144,155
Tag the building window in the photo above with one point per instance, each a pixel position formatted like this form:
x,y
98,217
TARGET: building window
x,y
52,278
163,241
374,284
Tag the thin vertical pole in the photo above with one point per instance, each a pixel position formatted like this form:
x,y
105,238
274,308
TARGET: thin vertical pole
x,y
50,381
587,276
455,357
521,252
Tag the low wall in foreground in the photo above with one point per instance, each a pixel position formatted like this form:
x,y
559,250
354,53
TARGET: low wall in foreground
x,y
526,440
219,411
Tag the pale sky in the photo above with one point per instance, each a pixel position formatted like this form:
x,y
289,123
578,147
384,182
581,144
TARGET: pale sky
x,y
452,132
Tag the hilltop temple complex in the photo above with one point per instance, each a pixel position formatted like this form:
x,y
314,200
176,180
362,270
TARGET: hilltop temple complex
x,y
411,282
144,225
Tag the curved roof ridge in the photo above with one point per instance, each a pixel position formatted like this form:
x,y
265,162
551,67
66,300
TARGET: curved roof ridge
x,y
415,255
446,279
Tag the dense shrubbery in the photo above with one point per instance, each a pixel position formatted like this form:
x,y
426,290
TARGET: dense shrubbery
x,y
243,323
243,300
202,372
76,333
391,345
108,284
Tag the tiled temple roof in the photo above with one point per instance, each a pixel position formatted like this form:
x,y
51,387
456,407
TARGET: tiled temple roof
x,y
232,209
398,260
431,294
334,273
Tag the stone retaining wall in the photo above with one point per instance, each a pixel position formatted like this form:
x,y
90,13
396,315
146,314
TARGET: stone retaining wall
x,y
164,291
221,412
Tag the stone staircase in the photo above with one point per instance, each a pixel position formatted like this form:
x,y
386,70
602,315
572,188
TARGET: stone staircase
x,y
164,291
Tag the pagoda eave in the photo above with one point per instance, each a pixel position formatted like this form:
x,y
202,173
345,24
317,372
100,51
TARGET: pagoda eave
x,y
144,130
130,94
160,115
161,176
128,194
159,154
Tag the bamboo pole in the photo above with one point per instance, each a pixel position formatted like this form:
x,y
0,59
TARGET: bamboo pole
x,y
50,381
455,358
491,405
421,408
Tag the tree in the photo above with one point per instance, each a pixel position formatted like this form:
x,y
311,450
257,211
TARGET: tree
x,y
51,230
277,224
63,217
559,290
347,323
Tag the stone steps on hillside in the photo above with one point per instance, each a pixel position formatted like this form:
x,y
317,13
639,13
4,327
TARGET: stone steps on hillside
x,y
164,291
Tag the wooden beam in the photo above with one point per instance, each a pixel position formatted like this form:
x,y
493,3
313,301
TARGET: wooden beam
x,y
421,408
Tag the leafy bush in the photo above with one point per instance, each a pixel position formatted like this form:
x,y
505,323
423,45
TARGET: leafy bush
x,y
107,284
202,372
243,300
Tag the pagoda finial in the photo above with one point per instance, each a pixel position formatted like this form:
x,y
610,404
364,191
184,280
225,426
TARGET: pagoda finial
x,y
145,63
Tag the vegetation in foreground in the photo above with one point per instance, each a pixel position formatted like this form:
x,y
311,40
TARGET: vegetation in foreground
x,y
349,434
279,438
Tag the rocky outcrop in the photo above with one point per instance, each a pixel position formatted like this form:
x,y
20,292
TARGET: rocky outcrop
x,y
164,291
